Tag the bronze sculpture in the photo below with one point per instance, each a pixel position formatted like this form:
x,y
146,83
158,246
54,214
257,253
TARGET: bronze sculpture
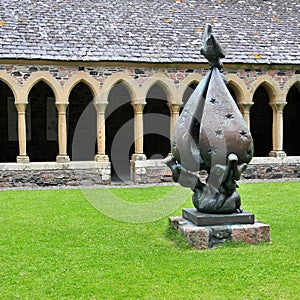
x,y
211,135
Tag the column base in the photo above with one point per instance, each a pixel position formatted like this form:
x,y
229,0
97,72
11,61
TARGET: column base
x,y
140,156
23,159
62,158
277,153
101,158
138,165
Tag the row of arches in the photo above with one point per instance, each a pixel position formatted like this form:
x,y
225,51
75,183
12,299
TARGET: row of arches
x,y
138,91
121,99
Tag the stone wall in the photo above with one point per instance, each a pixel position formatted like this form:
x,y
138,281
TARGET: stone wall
x,y
273,168
21,73
78,174
34,175
154,171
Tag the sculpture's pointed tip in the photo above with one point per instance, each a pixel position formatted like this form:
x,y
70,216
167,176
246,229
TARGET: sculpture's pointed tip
x,y
211,49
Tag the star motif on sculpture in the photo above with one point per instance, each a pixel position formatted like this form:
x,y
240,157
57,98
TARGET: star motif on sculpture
x,y
213,100
229,116
213,150
219,133
243,135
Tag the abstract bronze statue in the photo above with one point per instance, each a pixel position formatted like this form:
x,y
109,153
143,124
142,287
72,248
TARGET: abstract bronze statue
x,y
211,135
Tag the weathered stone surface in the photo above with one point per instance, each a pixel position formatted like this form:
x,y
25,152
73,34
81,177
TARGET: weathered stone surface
x,y
198,237
251,234
204,237
53,174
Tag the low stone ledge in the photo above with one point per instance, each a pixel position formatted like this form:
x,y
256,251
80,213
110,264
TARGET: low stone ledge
x,y
46,176
204,237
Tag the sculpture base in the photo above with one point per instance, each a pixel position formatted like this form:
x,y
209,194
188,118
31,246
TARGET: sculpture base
x,y
204,237
204,219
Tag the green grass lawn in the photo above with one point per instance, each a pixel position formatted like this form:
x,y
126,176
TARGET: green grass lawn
x,y
56,245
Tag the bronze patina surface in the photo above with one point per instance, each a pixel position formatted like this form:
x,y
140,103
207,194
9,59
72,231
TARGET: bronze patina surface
x,y
211,135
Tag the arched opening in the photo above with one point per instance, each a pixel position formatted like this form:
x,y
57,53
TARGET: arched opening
x,y
188,93
8,125
41,114
261,119
79,109
232,92
291,124
156,124
119,130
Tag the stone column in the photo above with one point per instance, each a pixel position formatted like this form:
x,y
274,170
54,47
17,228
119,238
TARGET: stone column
x,y
138,162
62,156
101,156
174,109
22,157
245,109
138,129
278,129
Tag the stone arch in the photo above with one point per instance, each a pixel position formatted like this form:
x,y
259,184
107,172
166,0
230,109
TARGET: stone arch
x,y
47,78
127,81
291,125
81,118
156,115
240,89
8,123
261,121
187,81
165,83
42,116
85,78
187,87
12,84
294,80
119,127
271,86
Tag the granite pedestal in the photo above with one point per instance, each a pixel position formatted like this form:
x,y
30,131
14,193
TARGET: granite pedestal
x,y
203,231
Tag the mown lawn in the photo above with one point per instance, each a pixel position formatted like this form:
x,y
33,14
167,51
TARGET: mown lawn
x,y
56,245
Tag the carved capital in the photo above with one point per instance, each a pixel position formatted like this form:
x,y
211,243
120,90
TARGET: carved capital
x,y
246,106
61,107
138,107
21,107
279,106
101,106
174,107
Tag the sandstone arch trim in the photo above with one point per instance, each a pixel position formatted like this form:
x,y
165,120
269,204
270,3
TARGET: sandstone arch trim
x,y
270,85
87,79
187,81
46,78
239,87
125,79
295,80
13,85
165,83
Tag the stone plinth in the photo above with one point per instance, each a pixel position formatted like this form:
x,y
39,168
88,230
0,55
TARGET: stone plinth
x,y
204,237
203,219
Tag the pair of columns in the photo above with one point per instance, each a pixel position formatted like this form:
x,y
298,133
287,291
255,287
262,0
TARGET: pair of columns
x,y
62,133
138,128
277,129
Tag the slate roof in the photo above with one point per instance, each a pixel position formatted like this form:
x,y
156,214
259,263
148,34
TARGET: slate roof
x,y
253,31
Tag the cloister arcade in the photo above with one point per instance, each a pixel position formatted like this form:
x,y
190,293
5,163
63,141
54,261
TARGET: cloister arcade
x,y
39,118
